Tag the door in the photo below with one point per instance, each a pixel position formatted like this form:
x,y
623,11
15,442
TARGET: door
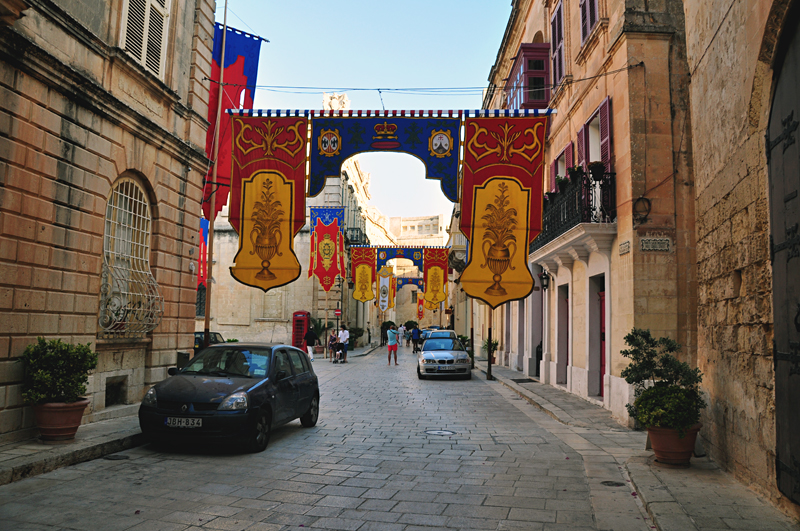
x,y
602,298
783,159
285,388
303,383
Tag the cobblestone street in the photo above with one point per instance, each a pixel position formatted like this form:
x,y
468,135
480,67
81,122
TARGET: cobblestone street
x,y
367,465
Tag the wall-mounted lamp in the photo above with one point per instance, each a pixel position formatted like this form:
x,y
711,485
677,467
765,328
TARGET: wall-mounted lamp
x,y
641,209
544,278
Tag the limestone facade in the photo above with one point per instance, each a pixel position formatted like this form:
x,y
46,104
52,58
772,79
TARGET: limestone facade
x,y
734,56
85,107
621,97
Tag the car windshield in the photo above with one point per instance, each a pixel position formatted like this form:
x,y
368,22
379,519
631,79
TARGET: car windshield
x,y
240,362
442,344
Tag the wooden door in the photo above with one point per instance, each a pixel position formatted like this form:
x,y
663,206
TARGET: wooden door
x,y
783,156
602,298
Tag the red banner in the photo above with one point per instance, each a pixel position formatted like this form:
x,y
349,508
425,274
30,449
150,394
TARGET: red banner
x,y
268,203
327,253
362,265
501,204
435,274
420,305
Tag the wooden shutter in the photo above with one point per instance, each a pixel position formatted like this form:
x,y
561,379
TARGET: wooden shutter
x,y
605,133
557,37
156,32
135,27
568,156
553,170
582,145
592,5
145,33
584,19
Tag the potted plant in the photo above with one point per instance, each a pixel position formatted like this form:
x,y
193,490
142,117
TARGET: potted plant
x,y
667,398
597,170
562,182
54,382
490,348
575,173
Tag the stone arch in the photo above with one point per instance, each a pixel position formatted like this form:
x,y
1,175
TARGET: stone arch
x,y
538,38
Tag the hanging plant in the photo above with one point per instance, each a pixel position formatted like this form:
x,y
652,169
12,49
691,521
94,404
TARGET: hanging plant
x,y
575,172
562,182
597,169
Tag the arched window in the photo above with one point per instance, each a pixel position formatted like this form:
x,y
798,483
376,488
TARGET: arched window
x,y
130,303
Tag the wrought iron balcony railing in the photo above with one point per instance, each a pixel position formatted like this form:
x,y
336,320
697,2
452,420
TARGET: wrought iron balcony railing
x,y
356,236
584,201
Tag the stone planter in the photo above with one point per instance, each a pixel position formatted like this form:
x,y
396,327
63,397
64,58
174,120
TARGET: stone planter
x,y
669,448
59,421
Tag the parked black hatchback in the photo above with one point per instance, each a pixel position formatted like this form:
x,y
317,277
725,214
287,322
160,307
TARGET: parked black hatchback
x,y
232,391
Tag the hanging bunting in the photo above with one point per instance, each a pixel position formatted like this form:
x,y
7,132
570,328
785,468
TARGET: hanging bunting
x,y
435,274
501,200
410,253
241,68
269,162
392,292
420,305
327,245
362,265
406,281
384,287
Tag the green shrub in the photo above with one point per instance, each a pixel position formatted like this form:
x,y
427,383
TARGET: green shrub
x,y
666,390
490,348
231,341
56,371
355,333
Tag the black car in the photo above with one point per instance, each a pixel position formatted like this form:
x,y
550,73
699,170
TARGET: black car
x,y
213,339
232,391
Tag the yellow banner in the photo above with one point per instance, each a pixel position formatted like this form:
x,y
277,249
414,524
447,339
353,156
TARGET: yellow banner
x,y
498,267
436,285
265,258
362,290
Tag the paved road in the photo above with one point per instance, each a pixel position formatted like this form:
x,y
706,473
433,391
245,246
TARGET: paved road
x,y
368,465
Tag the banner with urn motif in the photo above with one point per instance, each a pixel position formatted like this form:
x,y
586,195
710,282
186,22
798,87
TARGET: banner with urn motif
x,y
362,266
269,162
435,274
392,291
327,245
501,204
420,305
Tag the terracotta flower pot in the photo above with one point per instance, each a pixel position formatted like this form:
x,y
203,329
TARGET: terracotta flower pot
x,y
59,421
670,448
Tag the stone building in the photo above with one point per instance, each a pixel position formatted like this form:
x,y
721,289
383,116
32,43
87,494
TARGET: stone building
x,y
744,61
102,126
619,250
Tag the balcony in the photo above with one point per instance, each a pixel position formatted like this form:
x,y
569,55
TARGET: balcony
x,y
585,201
356,236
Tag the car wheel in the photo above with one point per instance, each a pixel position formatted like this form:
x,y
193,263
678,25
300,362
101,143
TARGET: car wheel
x,y
468,376
419,374
309,419
259,436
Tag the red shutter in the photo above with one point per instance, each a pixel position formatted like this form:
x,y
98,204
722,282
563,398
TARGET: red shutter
x,y
568,156
584,19
553,169
605,133
582,147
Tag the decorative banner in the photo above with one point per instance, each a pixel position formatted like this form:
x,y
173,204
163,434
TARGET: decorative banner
x,y
405,281
435,274
392,291
327,246
362,265
433,140
501,205
384,288
431,305
241,67
269,162
420,305
202,259
411,253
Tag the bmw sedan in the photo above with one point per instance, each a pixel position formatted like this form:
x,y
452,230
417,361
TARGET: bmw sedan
x,y
232,391
443,356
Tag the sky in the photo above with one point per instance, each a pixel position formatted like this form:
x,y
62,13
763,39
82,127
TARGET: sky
x,y
357,46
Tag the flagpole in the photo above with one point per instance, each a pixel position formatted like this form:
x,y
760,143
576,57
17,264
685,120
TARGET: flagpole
x,y
213,207
326,325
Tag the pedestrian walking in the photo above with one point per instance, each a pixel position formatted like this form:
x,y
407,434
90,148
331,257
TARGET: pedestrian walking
x,y
401,333
311,340
408,337
393,334
332,340
344,337
415,336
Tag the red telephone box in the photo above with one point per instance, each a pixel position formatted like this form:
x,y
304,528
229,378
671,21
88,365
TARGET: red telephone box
x,y
300,324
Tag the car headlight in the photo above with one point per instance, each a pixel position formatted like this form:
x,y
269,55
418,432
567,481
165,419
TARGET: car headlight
x,y
149,399
462,360
234,402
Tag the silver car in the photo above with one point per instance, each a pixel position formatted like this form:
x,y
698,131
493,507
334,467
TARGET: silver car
x,y
443,356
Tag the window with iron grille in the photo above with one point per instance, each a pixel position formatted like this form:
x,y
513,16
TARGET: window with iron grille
x,y
130,302
200,303
144,33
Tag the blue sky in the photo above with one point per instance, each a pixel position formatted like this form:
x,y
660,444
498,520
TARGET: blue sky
x,y
373,44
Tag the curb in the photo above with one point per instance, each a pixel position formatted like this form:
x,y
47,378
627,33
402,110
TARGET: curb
x,y
666,513
61,456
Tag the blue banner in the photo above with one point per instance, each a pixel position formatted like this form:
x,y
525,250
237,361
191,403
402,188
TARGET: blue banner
x,y
411,253
402,281
433,140
327,215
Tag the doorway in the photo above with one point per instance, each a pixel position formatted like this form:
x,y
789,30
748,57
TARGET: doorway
x,y
562,346
597,332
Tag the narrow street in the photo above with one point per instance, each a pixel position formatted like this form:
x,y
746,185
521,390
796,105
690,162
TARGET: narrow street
x,y
368,464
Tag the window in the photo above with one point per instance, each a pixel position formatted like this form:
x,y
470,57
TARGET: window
x,y
557,38
595,137
130,304
144,32
560,165
527,86
297,362
588,17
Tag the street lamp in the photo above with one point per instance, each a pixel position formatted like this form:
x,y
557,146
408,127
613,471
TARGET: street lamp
x,y
545,280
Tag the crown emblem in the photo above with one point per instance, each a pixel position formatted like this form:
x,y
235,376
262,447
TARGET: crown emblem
x,y
385,131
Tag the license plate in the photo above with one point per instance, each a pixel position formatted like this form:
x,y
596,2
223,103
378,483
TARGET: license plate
x,y
447,368
178,422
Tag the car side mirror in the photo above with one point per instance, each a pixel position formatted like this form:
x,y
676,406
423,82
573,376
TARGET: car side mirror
x,y
172,371
281,375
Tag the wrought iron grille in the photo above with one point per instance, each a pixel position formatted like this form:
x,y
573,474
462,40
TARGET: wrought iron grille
x,y
356,236
586,201
200,304
130,303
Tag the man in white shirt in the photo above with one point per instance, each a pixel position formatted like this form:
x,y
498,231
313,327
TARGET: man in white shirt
x,y
344,338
